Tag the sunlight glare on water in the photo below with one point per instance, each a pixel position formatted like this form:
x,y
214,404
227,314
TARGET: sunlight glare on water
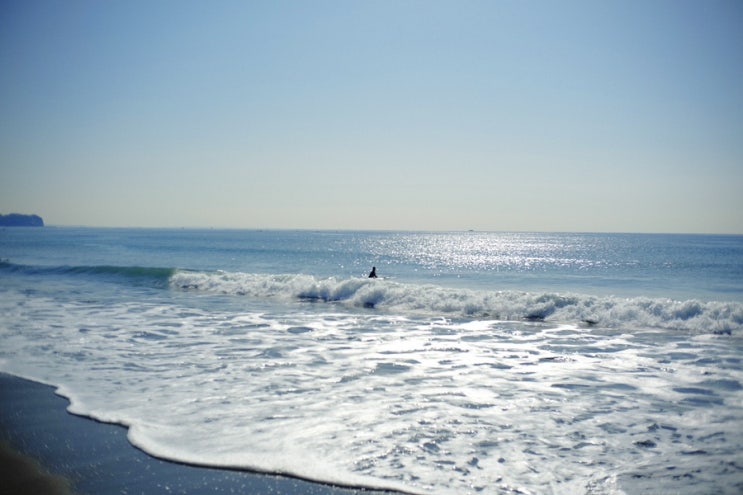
x,y
476,363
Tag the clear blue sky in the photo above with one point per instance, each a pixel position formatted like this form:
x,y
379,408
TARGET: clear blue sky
x,y
491,115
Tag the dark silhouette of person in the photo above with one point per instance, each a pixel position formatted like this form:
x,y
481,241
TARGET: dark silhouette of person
x,y
373,273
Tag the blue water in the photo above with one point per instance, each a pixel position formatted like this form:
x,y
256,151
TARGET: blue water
x,y
476,363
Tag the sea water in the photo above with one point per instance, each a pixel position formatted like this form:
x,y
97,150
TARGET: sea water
x,y
476,363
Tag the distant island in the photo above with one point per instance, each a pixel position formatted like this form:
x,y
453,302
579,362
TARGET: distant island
x,y
19,220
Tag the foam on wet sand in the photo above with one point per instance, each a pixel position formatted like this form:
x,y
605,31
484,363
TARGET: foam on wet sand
x,y
48,450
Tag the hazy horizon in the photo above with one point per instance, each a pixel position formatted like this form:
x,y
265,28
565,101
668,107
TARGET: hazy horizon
x,y
311,229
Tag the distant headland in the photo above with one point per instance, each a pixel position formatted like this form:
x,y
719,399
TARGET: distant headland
x,y
19,220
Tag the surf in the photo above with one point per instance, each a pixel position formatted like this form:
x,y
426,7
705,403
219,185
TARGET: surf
x,y
717,317
144,274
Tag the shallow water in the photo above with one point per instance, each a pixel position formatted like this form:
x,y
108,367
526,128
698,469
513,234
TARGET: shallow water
x,y
423,384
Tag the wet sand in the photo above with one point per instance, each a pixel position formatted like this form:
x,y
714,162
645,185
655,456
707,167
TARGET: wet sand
x,y
23,474
45,449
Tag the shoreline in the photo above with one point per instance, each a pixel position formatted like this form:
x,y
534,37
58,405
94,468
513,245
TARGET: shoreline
x,y
40,442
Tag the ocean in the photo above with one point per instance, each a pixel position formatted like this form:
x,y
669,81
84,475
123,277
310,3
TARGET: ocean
x,y
477,362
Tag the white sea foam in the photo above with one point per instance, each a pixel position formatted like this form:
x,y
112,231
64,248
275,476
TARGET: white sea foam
x,y
517,381
445,405
611,312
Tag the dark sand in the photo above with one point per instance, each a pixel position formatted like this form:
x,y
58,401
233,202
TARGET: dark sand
x,y
46,450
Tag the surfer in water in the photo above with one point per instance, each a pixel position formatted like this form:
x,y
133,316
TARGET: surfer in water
x,y
373,273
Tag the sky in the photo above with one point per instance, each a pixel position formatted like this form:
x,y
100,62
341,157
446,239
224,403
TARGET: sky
x,y
614,115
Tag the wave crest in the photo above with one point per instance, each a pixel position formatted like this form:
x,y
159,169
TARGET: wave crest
x,y
143,273
612,312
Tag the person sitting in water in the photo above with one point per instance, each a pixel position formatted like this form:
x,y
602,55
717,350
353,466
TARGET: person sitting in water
x,y
373,273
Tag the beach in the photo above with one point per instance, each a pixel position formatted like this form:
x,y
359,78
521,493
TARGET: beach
x,y
475,362
45,449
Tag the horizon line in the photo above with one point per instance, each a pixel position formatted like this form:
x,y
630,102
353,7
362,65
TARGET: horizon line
x,y
401,230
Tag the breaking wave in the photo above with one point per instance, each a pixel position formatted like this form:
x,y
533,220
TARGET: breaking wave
x,y
613,312
155,275
716,317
